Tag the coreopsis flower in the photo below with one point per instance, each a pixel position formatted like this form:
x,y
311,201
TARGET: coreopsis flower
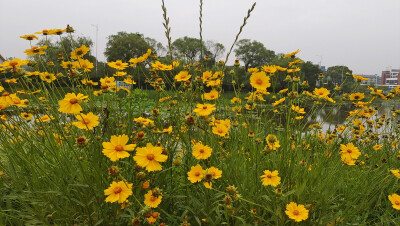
x,y
182,76
152,200
195,174
47,77
119,74
214,83
293,54
359,78
396,173
377,147
18,102
212,95
118,191
44,32
260,80
211,174
35,50
395,200
15,63
56,31
271,178
119,65
29,37
13,80
86,122
220,130
356,96
298,109
321,92
272,141
349,151
79,52
108,81
269,69
129,81
26,116
117,148
296,212
278,101
161,67
144,122
204,109
253,70
85,64
44,118
236,100
201,151
70,103
150,157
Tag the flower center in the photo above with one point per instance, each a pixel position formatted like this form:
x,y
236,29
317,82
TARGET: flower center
x,y
119,147
259,81
296,212
47,77
220,131
79,52
152,198
150,156
73,101
117,190
86,121
5,94
118,64
197,174
204,107
201,151
269,176
397,202
349,151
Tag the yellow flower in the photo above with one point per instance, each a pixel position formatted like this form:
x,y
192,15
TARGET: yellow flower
x,y
162,67
118,191
220,130
151,200
271,178
15,63
195,174
236,100
29,37
13,80
119,74
129,81
321,92
56,31
150,157
182,76
44,32
119,65
395,199
35,50
79,52
359,78
45,118
70,103
86,122
272,141
356,96
298,109
213,83
117,147
26,116
296,212
396,173
85,64
253,70
269,69
201,151
278,101
377,147
47,77
349,151
212,95
204,109
293,54
260,81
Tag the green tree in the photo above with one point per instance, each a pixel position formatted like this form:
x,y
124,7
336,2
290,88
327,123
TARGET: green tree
x,y
156,46
310,72
188,49
124,46
336,75
253,53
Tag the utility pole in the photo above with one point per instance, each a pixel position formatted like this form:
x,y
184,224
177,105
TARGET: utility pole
x,y
97,35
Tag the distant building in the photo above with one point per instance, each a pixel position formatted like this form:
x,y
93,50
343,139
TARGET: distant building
x,y
323,69
2,59
372,79
391,77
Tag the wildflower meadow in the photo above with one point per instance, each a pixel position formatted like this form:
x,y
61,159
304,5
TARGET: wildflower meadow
x,y
163,141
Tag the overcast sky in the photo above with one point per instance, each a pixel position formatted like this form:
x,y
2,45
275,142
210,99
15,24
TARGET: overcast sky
x,y
361,34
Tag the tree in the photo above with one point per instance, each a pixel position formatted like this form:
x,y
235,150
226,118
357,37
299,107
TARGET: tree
x,y
310,73
156,46
188,48
216,49
124,46
253,53
337,76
